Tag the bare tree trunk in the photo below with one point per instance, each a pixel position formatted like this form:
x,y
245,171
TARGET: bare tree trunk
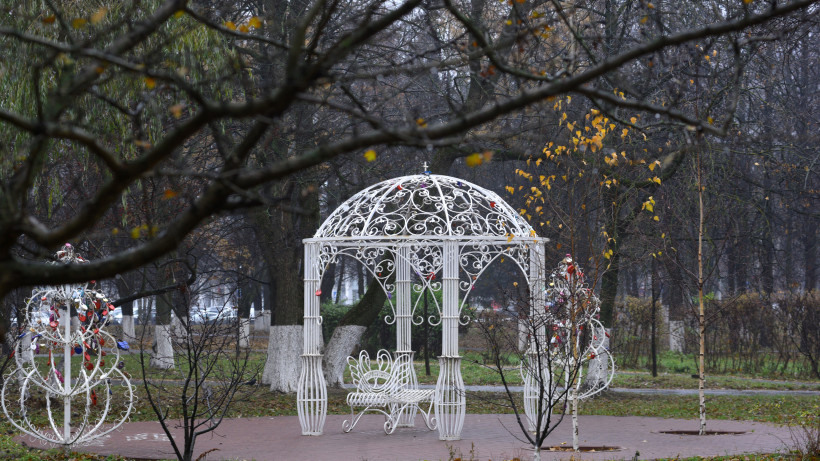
x,y
342,343
246,295
163,354
128,331
677,338
283,365
701,310
654,320
809,254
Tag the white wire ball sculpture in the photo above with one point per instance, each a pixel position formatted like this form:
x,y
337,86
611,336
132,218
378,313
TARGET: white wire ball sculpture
x,y
74,372
572,303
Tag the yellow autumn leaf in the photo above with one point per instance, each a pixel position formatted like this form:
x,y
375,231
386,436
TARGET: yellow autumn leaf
x,y
230,25
652,166
255,22
473,160
420,122
99,15
633,120
49,19
244,29
370,155
150,83
79,23
644,19
169,194
656,218
656,180
135,233
176,110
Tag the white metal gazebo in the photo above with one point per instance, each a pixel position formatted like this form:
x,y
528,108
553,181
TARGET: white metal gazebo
x,y
430,232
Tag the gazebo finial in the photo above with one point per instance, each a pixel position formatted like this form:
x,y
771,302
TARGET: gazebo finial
x,y
426,168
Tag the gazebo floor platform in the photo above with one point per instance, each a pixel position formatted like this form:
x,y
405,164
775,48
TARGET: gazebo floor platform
x,y
484,437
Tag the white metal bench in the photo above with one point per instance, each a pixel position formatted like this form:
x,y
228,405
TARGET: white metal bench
x,y
387,388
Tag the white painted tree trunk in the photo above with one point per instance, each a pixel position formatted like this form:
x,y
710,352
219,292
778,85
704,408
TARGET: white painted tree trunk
x,y
676,336
574,400
26,353
341,345
284,360
598,367
163,356
523,334
244,333
128,331
177,327
262,322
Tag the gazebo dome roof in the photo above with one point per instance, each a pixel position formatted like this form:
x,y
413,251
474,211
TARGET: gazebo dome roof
x,y
424,206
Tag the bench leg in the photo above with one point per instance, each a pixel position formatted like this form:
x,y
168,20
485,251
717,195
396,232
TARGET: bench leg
x,y
349,424
395,416
429,417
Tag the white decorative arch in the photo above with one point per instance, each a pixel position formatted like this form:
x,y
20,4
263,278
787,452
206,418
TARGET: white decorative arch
x,y
441,232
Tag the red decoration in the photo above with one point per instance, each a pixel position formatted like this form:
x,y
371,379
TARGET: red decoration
x,y
318,292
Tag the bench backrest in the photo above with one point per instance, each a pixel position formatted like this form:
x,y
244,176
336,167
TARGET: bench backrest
x,y
387,375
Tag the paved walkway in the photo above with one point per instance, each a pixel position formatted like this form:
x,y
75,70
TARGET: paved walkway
x,y
485,436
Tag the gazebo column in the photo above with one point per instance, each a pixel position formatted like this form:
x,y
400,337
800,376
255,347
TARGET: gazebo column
x,y
404,350
539,373
311,394
450,401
